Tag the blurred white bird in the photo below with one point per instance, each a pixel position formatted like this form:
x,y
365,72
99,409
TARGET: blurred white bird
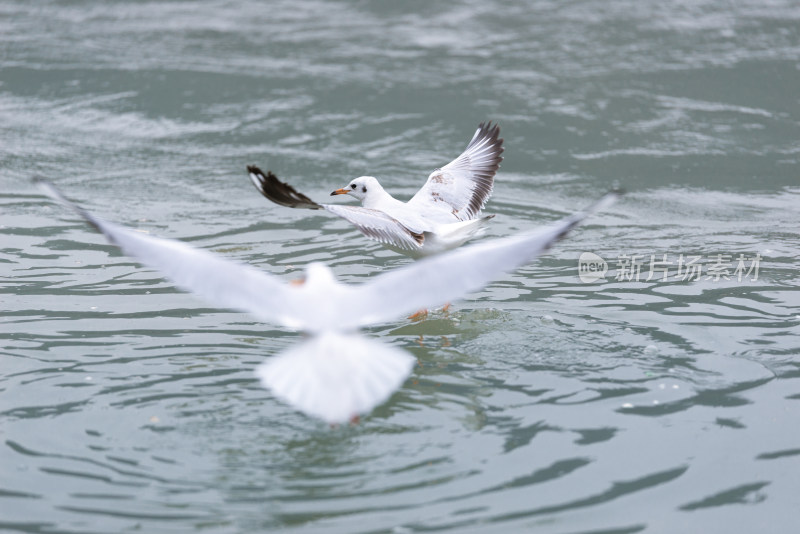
x,y
337,373
443,215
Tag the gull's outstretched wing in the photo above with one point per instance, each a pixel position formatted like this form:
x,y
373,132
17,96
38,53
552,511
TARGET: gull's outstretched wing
x,y
221,282
279,192
436,280
379,226
463,186
372,223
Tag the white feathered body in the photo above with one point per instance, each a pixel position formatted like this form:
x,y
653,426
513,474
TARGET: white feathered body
x,y
441,228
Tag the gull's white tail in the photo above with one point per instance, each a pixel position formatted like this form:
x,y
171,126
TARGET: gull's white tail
x,y
452,235
335,376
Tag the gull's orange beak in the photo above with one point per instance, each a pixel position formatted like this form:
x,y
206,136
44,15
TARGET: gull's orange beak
x,y
340,192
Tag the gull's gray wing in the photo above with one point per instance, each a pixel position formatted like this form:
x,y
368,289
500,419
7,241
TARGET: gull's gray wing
x,y
379,226
221,282
436,280
372,223
463,186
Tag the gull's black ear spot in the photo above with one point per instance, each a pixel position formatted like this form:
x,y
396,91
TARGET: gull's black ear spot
x,y
364,189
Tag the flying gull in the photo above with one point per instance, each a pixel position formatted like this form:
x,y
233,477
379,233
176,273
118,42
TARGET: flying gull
x,y
336,373
444,214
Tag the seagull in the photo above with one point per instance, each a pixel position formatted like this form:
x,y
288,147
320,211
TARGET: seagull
x,y
335,374
443,215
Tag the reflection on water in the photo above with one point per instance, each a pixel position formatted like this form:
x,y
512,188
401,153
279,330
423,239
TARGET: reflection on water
x,y
539,403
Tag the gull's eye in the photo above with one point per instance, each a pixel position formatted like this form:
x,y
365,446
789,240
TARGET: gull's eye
x,y
364,189
352,186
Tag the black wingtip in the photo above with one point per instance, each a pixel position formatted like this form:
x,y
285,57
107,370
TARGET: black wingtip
x,y
598,205
253,169
490,130
487,137
578,218
279,192
47,187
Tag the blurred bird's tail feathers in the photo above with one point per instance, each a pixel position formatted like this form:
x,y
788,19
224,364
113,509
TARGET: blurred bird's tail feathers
x,y
336,377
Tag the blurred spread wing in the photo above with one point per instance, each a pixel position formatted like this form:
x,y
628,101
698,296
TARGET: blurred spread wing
x,y
221,282
463,186
379,226
436,280
279,192
336,377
